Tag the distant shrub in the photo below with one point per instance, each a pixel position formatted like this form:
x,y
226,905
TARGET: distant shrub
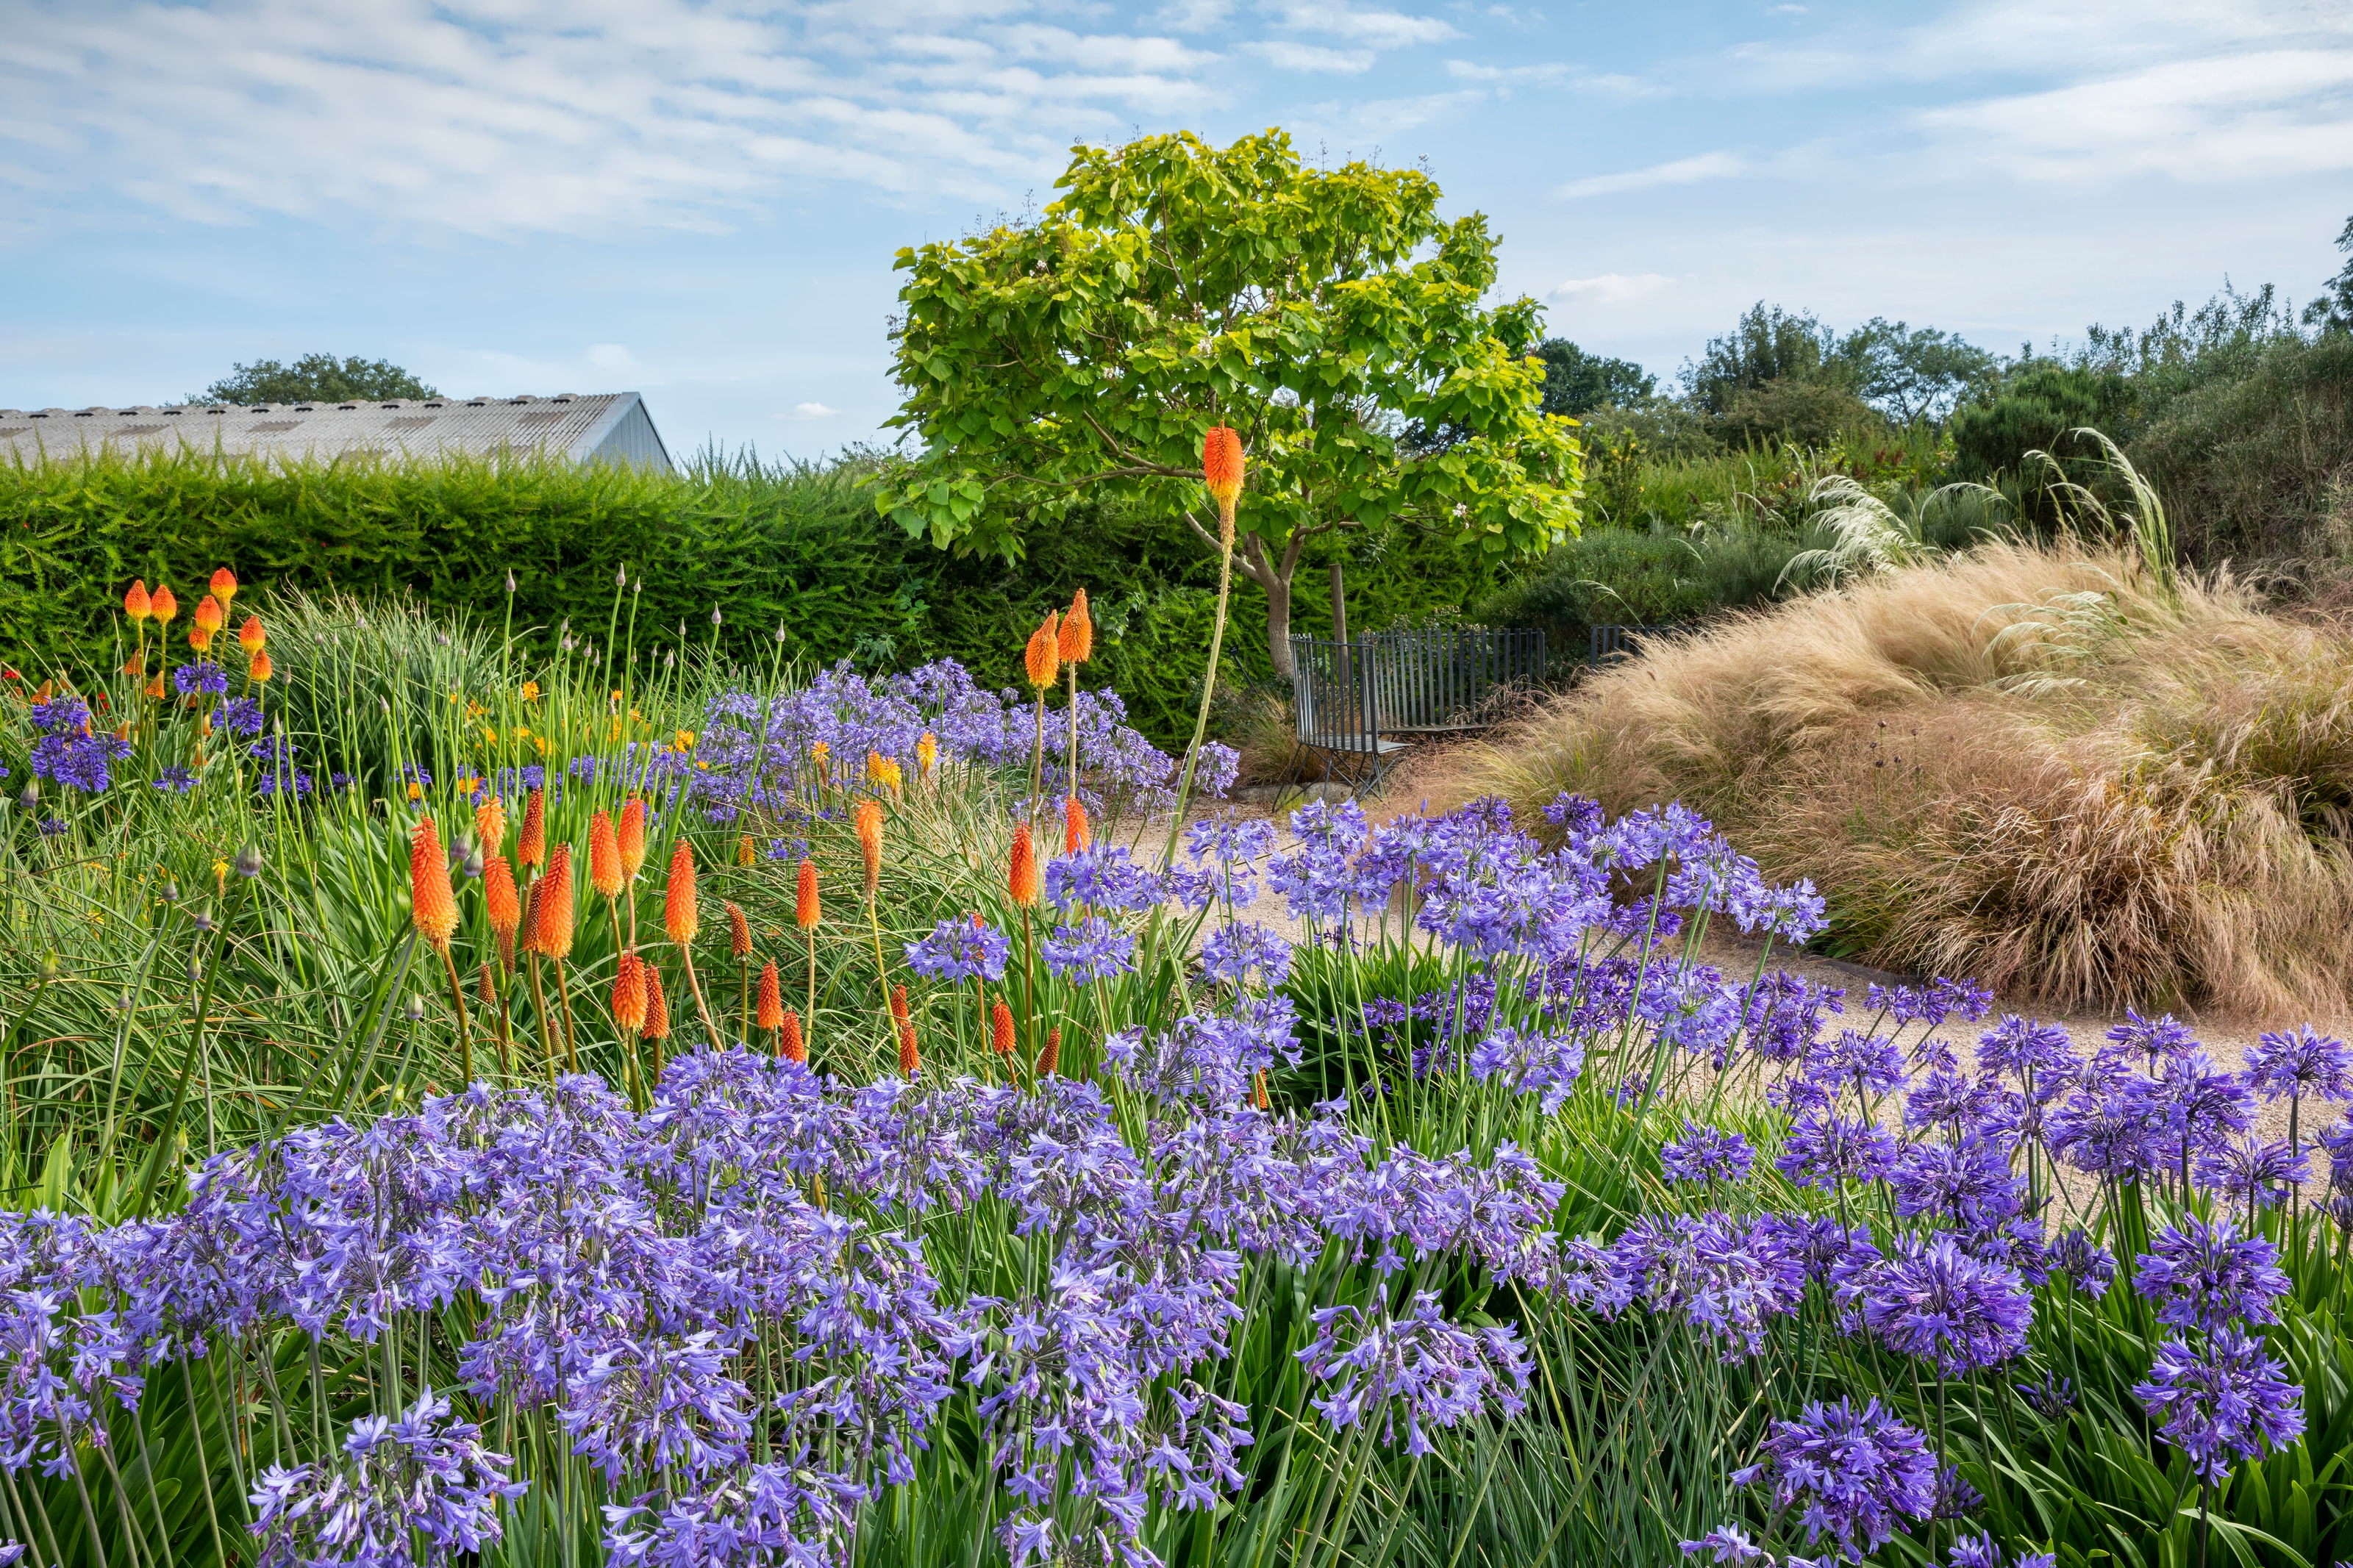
x,y
2030,413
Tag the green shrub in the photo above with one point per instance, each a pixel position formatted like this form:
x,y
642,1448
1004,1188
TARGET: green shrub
x,y
2029,414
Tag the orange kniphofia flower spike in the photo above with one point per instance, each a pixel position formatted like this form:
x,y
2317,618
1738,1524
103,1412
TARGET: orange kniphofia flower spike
x,y
498,900
1052,1057
1000,1027
911,1061
1022,883
223,585
551,927
530,849
604,857
1044,655
259,669
209,614
790,1044
1221,468
161,605
1076,833
739,930
134,602
656,1006
632,837
770,1014
629,994
250,637
1077,641
433,907
870,842
200,636
489,988
806,909
927,754
897,1004
680,918
743,855
491,823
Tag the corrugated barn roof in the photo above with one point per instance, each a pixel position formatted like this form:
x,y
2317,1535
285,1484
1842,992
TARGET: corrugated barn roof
x,y
607,427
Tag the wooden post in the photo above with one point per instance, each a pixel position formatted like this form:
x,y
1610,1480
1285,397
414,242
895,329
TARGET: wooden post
x,y
1346,665
1339,608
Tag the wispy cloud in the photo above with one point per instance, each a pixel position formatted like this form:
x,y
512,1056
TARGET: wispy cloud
x,y
1379,29
1680,172
1284,55
800,411
1609,288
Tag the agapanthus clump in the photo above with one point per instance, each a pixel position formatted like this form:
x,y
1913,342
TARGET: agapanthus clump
x,y
2221,1400
2207,1275
1852,1474
71,751
1935,1301
1706,1154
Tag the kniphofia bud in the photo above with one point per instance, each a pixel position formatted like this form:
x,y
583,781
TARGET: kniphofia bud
x,y
739,931
604,857
500,903
134,602
136,667
1000,1027
745,854
927,754
632,837
530,848
679,918
210,614
911,1061
223,585
897,1004
1076,833
629,994
1022,881
806,909
259,669
250,637
491,824
432,906
1077,641
552,925
1043,656
790,1044
487,987
1221,469
656,1006
770,1014
870,842
163,606
1052,1057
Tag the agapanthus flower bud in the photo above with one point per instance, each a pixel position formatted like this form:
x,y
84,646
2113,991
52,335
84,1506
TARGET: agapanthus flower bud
x,y
551,930
163,606
739,930
432,906
1076,833
248,861
1022,883
604,857
1042,658
790,1044
1076,641
531,847
680,918
1000,1027
1221,471
1050,1058
656,1006
491,823
134,602
250,637
632,837
223,585
770,1012
806,911
870,842
629,994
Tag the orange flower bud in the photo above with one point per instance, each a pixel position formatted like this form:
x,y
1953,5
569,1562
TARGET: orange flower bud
x,y
927,754
632,837
530,849
790,1045
259,669
656,1006
897,1004
770,1014
136,667
1259,1079
604,857
1052,1057
134,602
499,900
870,842
911,1061
491,823
200,636
1076,833
739,931
223,585
1022,883
155,688
209,614
1044,653
1000,1027
629,994
551,926
488,989
743,855
1077,641
432,907
1221,468
163,606
806,911
250,637
679,918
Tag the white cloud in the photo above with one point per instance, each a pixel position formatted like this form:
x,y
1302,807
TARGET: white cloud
x,y
611,356
1609,288
1471,71
1377,29
809,411
1290,56
1680,172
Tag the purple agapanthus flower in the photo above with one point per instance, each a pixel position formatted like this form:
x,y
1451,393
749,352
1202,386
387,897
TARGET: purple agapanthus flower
x,y
2024,1048
2205,1276
1233,952
204,676
2255,1170
2092,1267
2223,1400
959,950
2300,1064
1092,950
1706,1154
1852,1473
242,716
1936,1303
2153,1037
1824,1149
174,780
1530,1062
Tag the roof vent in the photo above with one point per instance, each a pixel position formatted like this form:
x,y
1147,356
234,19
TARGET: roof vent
x,y
434,403
346,407
85,414
476,402
388,405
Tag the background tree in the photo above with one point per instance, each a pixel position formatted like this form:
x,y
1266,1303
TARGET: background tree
x,y
1323,313
2332,311
314,378
1576,383
1768,344
1912,374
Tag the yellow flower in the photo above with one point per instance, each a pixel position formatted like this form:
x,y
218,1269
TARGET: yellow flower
x,y
468,784
531,692
684,740
541,742
415,792
490,734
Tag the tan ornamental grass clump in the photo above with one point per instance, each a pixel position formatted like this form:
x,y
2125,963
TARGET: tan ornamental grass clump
x,y
2029,765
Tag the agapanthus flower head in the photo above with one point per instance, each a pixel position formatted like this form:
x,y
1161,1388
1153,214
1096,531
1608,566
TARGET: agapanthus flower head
x,y
769,1013
1824,1149
1855,1474
2207,1275
2299,1062
959,950
161,605
1076,833
1233,952
656,1006
250,636
790,1043
1093,950
681,919
1936,1303
433,906
604,857
1023,884
1706,1154
2091,1266
531,847
868,828
491,827
135,604
200,676
223,585
1042,658
2153,1037
1000,1027
2223,1400
629,994
2019,1047
1076,640
2253,1170
629,839
807,911
1221,471
551,909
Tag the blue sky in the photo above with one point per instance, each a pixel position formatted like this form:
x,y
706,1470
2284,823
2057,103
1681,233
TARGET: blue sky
x,y
701,201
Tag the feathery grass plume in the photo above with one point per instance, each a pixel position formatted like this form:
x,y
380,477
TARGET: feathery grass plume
x,y
491,827
1076,640
771,1015
927,754
790,1044
1221,471
135,603
631,839
1076,833
223,585
530,846
739,930
656,1006
502,906
682,917
432,904
551,930
161,605
250,637
1050,1058
1042,658
807,911
1000,1027
629,999
604,857
1023,882
745,854
258,670
869,843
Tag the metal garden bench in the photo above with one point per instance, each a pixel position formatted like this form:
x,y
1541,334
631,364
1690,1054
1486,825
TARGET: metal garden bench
x,y
1358,703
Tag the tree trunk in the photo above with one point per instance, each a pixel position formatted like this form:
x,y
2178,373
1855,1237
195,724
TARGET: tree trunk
x,y
1278,629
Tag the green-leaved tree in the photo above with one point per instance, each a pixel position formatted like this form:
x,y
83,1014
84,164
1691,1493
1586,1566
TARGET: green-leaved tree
x,y
1323,313
314,378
